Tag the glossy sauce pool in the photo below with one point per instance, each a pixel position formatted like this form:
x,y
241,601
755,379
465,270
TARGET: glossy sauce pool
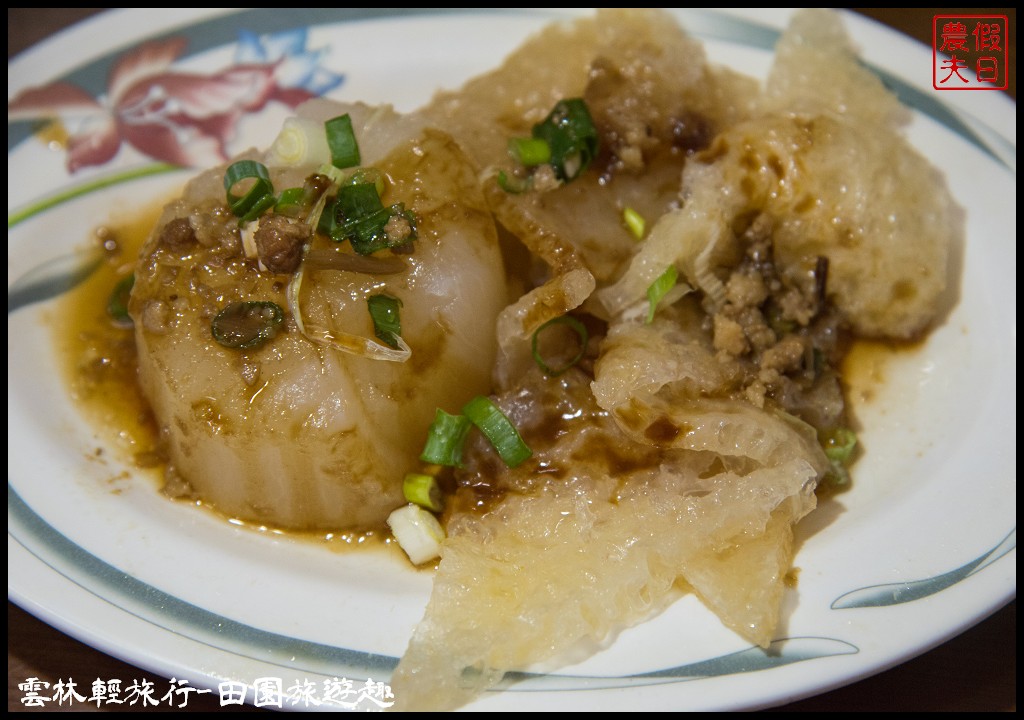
x,y
100,366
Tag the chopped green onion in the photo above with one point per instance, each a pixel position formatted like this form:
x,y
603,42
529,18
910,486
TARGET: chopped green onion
x,y
328,223
512,184
304,202
839,444
424,491
290,202
499,430
341,139
445,438
361,218
302,141
418,533
577,327
447,434
360,211
659,289
255,199
265,203
571,136
530,151
117,303
386,323
246,325
336,175
367,175
635,222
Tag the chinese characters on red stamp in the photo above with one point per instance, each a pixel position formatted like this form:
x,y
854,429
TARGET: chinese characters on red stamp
x,y
969,52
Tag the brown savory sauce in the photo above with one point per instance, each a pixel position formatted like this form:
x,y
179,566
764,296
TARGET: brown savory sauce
x,y
99,360
98,355
864,372
865,368
100,367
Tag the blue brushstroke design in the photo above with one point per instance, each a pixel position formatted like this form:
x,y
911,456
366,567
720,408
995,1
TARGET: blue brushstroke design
x,y
782,652
181,618
974,130
969,128
899,593
216,32
175,616
297,67
52,279
178,617
711,25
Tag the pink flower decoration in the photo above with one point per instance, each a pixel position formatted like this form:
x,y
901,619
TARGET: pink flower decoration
x,y
179,118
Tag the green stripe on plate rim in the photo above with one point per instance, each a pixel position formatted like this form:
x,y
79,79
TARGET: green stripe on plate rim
x,y
176,616
173,614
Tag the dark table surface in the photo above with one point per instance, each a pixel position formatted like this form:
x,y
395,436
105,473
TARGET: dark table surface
x,y
976,671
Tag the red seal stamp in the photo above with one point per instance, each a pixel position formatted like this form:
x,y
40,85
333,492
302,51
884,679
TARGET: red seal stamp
x,y
969,52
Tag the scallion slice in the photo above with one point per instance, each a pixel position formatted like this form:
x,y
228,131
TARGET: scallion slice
x,y
839,444
262,205
245,325
341,139
328,223
302,141
571,136
290,202
336,175
577,327
487,416
360,212
530,151
117,303
361,218
424,491
659,289
634,222
512,184
418,533
445,438
260,192
387,325
366,175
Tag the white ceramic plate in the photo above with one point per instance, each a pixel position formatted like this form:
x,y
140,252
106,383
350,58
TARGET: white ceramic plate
x,y
922,548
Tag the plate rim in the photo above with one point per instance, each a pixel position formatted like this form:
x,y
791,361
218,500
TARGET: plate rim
x,y
106,17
